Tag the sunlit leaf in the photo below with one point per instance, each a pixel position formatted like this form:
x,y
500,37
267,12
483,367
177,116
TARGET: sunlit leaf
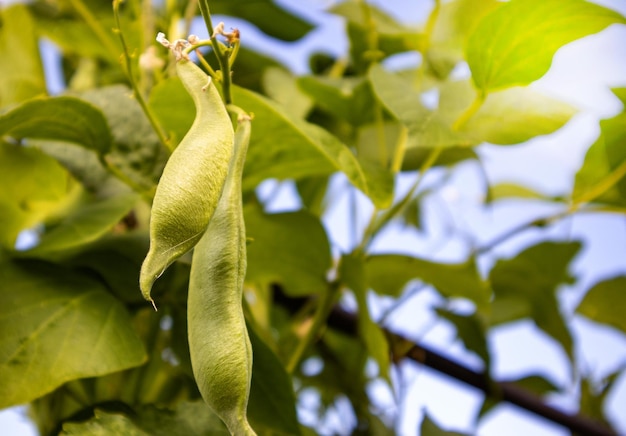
x,y
49,317
525,287
388,274
59,118
283,146
288,248
454,22
33,185
604,302
507,190
602,177
506,117
514,44
21,72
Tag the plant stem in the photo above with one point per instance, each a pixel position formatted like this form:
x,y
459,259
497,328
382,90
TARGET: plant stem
x,y
129,74
324,308
377,222
219,50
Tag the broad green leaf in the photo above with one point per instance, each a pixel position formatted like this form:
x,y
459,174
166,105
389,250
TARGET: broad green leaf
x,y
593,396
282,87
621,94
455,21
471,330
288,248
352,274
49,317
430,428
426,129
33,185
602,177
103,424
84,224
506,117
187,418
136,151
312,191
346,98
605,301
173,107
514,44
272,404
59,118
526,285
377,161
392,36
21,72
272,19
507,190
283,146
388,274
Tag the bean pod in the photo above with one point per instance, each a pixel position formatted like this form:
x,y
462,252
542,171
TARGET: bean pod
x,y
192,179
221,354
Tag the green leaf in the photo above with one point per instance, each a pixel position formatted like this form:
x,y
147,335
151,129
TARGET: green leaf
x,y
426,130
103,424
59,118
392,37
602,178
388,274
526,285
282,86
21,72
454,23
514,44
604,302
272,404
347,98
266,15
33,185
49,317
312,191
288,248
82,225
506,117
283,146
471,330
593,396
136,151
507,190
187,418
173,107
352,274
430,428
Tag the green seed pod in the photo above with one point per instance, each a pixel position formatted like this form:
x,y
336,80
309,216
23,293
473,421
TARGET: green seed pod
x,y
192,180
221,354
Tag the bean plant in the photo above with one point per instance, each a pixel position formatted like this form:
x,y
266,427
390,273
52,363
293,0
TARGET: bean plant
x,y
150,288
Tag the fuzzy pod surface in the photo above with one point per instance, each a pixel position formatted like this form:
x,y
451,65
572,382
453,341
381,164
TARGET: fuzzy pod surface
x,y
192,180
221,354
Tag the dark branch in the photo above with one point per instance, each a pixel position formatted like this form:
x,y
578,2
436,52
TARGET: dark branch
x,y
346,322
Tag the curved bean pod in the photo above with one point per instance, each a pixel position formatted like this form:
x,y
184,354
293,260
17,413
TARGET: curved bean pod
x,y
192,179
221,354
